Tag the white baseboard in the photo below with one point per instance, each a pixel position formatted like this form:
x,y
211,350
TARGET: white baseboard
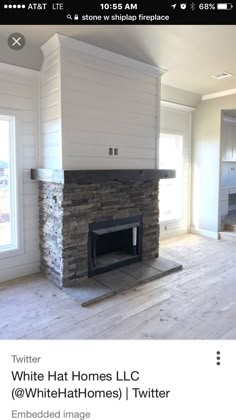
x,y
204,232
19,271
165,234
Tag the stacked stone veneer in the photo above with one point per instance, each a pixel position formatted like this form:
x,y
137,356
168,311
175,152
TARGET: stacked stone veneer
x,y
66,211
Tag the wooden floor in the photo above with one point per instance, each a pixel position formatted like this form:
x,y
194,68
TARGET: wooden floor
x,y
198,302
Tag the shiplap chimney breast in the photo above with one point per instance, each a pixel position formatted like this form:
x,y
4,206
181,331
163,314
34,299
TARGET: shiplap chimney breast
x,y
93,100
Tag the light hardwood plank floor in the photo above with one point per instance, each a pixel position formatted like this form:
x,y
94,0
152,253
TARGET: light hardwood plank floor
x,y
198,302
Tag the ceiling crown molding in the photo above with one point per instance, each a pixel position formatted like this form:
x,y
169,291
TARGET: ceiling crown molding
x,y
219,94
176,106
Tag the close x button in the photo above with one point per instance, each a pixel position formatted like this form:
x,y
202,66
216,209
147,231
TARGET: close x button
x,y
16,41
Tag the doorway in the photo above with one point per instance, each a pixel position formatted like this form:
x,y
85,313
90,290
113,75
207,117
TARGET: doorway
x,y
175,153
171,190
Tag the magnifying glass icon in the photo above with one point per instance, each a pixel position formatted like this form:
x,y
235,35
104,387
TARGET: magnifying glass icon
x,y
69,17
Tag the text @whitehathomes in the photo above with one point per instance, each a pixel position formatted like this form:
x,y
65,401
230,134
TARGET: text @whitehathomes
x,y
125,385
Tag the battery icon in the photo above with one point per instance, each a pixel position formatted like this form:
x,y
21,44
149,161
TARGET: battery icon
x,y
224,6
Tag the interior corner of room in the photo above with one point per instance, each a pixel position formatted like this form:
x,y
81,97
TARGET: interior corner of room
x,y
117,170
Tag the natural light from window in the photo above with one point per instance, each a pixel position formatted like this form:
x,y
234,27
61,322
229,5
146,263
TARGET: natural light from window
x,y
171,190
8,236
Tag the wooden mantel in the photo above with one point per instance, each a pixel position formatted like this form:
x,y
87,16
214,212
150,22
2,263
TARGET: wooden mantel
x,y
61,176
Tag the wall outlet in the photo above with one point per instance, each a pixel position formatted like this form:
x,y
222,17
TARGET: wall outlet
x,y
110,151
116,151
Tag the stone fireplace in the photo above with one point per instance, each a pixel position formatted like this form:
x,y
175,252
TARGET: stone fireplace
x,y
98,186
74,204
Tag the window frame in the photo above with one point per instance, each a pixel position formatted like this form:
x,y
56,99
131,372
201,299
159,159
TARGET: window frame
x,y
17,247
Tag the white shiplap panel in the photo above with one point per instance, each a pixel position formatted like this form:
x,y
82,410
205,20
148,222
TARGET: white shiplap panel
x,y
9,273
104,93
20,90
51,163
30,162
28,128
51,139
29,189
51,71
50,99
90,61
106,104
49,152
30,151
28,116
52,60
100,151
105,139
28,139
49,86
89,103
49,127
121,114
108,163
106,80
106,126
50,112
20,103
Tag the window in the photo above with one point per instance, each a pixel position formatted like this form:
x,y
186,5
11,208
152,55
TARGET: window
x,y
171,190
8,187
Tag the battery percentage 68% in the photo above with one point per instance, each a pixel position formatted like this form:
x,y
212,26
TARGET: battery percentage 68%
x,y
207,6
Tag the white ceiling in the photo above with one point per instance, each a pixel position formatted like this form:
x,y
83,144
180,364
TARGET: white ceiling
x,y
191,54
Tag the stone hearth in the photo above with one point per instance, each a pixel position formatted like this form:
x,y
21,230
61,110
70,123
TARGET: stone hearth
x,y
70,200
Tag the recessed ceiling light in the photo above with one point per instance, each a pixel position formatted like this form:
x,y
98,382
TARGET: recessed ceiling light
x,y
222,75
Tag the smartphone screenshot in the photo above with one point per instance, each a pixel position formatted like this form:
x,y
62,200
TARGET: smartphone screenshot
x,y
117,210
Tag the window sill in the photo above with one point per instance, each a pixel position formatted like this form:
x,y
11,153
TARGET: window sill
x,y
10,252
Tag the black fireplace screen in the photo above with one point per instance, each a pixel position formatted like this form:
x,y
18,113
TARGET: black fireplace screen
x,y
113,244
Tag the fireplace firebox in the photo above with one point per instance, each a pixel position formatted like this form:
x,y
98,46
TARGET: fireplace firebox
x,y
112,244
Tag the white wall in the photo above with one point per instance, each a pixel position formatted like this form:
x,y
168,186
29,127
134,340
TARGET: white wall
x,y
179,96
19,92
104,105
177,121
93,100
50,112
206,163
